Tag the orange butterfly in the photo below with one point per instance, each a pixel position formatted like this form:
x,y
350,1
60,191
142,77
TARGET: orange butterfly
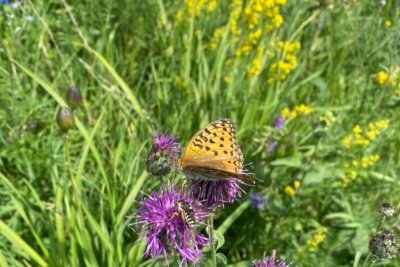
x,y
213,154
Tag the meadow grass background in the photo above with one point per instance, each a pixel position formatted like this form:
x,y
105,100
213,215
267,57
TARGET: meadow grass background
x,y
66,202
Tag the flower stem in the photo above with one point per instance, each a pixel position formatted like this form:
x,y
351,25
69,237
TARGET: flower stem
x,y
213,251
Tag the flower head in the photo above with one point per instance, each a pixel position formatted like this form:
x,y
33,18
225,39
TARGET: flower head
x,y
386,209
161,155
383,245
212,193
269,262
162,142
279,122
258,202
165,227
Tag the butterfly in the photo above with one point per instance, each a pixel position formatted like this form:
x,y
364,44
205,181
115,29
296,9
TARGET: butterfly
x,y
213,154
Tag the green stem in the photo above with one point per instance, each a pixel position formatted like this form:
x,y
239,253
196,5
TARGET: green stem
x,y
213,251
67,155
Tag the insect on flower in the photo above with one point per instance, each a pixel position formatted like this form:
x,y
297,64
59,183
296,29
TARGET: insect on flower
x,y
187,213
213,154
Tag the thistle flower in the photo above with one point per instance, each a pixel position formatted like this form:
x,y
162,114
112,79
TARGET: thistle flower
x,y
258,202
383,245
269,262
212,193
386,210
160,157
165,228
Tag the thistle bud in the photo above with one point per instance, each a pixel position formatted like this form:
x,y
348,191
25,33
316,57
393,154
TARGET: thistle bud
x,y
65,119
159,160
74,97
386,210
383,245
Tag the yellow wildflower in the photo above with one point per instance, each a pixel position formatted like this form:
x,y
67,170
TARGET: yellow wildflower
x,y
178,17
346,141
285,113
211,5
236,10
227,79
352,175
318,238
388,23
292,115
290,191
382,124
357,129
303,109
382,78
296,184
256,66
218,33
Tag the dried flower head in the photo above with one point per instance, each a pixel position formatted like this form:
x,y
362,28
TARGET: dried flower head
x,y
269,262
386,210
166,228
159,160
383,245
212,193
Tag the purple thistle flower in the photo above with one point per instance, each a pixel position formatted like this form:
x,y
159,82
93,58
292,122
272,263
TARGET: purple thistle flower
x,y
212,193
160,158
269,262
162,142
258,202
279,122
165,228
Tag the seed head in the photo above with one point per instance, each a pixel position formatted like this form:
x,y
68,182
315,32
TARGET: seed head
x,y
383,245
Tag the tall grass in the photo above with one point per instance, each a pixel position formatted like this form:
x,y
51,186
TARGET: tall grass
x,y
66,200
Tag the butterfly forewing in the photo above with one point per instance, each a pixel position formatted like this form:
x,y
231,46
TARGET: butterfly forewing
x,y
214,153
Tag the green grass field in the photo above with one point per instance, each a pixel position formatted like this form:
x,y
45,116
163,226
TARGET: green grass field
x,y
327,69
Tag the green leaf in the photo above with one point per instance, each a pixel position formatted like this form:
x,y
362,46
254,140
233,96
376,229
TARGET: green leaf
x,y
16,240
219,238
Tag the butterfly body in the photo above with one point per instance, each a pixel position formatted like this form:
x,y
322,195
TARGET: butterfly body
x,y
213,154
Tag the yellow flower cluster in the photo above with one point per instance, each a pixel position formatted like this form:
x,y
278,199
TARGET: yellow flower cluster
x,y
301,109
280,69
194,7
318,238
251,40
256,65
264,10
365,162
384,78
364,139
218,33
328,119
291,190
236,10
